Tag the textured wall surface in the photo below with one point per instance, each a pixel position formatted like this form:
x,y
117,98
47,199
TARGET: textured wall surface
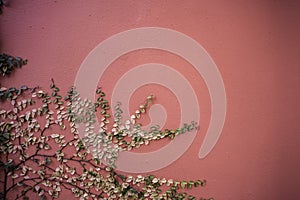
x,y
255,45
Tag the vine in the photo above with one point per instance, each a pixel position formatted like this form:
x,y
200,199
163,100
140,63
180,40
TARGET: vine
x,y
43,153
8,63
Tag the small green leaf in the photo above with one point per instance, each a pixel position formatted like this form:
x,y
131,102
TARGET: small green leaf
x,y
183,184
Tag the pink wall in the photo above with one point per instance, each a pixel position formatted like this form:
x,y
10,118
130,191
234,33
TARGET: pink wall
x,y
255,45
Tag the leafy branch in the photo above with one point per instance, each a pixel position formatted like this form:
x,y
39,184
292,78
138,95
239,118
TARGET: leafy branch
x,y
8,63
43,150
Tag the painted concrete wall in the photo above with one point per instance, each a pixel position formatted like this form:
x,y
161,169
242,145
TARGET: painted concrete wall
x,y
255,45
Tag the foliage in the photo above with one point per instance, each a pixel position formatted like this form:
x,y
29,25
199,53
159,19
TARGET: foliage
x,y
9,63
43,152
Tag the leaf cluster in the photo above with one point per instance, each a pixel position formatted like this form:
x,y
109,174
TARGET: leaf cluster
x,y
8,63
43,150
